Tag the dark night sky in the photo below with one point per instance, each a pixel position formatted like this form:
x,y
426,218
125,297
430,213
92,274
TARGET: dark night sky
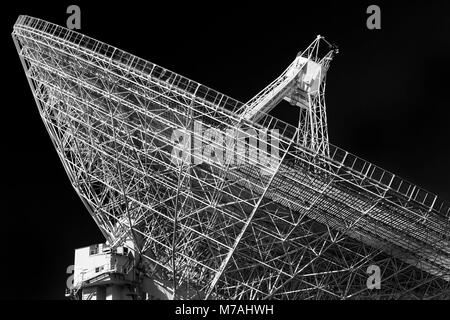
x,y
386,101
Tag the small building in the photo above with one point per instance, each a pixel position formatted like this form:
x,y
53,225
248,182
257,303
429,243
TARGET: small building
x,y
103,273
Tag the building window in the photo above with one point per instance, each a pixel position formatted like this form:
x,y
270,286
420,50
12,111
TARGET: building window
x,y
93,249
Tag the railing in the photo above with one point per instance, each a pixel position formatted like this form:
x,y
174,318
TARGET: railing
x,y
89,274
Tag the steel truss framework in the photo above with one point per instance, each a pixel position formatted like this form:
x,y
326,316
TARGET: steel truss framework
x,y
312,123
305,227
290,86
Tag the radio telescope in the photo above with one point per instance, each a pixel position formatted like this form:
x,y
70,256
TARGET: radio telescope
x,y
216,199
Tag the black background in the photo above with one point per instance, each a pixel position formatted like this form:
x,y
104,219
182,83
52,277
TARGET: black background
x,y
387,94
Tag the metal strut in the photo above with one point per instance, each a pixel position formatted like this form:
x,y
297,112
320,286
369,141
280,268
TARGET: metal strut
x,y
302,84
249,220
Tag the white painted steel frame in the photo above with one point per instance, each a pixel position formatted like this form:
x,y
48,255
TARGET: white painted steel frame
x,y
307,230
